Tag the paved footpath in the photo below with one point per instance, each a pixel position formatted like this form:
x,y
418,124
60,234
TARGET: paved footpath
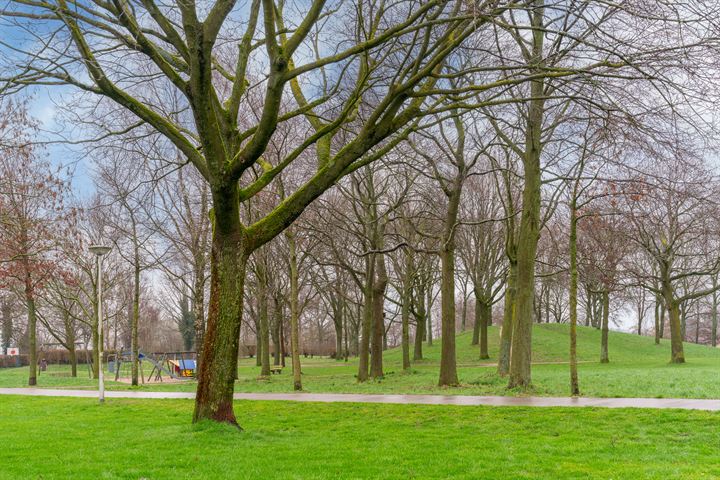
x,y
463,400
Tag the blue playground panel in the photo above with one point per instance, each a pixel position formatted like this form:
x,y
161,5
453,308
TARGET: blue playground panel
x,y
187,364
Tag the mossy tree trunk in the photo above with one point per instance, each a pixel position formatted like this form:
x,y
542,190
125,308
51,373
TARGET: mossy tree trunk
x,y
229,258
295,312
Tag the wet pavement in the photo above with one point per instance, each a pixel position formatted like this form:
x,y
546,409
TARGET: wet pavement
x,y
462,400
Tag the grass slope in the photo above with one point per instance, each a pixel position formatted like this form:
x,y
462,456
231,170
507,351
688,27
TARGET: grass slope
x,y
58,438
637,368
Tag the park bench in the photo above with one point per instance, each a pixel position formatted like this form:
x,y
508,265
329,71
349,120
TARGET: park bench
x,y
276,369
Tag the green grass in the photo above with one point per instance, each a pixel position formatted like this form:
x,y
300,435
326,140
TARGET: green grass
x,y
59,438
637,368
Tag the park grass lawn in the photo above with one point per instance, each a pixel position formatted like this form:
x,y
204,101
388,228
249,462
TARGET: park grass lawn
x,y
59,438
637,368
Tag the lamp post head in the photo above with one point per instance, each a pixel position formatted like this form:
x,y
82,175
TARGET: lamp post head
x,y
99,250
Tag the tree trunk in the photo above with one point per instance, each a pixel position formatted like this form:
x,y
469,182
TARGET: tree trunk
x,y
32,325
378,313
258,345
448,364
218,366
485,321
429,326
528,236
276,327
135,316
420,320
714,318
70,337
478,319
683,321
604,358
508,321
405,310
264,328
574,382
295,313
199,309
95,335
367,317
673,307
529,232
7,327
657,321
676,339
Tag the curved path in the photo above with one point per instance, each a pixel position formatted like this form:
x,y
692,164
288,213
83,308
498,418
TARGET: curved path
x,y
463,400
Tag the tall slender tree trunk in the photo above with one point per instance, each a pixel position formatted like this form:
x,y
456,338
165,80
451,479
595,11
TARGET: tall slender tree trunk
x,y
604,357
258,345
199,309
485,321
378,313
264,322
529,232
588,306
657,320
218,366
448,361
663,312
367,317
32,323
714,317
478,318
574,382
429,326
276,327
135,314
295,313
508,320
420,314
72,351
405,309
7,327
95,335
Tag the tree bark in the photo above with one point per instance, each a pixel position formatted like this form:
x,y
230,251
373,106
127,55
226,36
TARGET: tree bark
x,y
714,318
420,320
429,326
676,338
32,324
7,327
295,313
378,313
367,317
657,321
508,321
604,357
574,382
448,361
136,313
405,310
218,366
529,232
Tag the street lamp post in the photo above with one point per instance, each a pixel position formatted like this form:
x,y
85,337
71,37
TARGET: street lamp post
x,y
100,251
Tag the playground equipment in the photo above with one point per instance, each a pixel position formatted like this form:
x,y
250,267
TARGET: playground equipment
x,y
176,365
